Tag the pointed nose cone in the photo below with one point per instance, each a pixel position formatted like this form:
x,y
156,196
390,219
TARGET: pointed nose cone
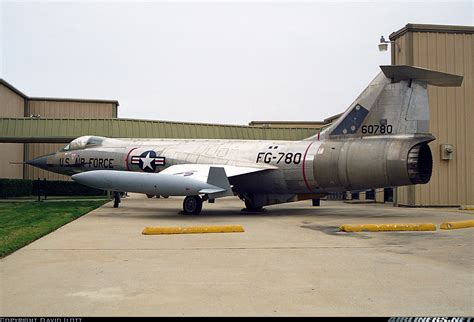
x,y
82,178
96,179
39,162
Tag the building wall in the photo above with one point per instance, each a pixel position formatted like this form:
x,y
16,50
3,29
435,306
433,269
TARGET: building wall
x,y
11,105
61,109
11,152
451,115
71,109
39,149
379,195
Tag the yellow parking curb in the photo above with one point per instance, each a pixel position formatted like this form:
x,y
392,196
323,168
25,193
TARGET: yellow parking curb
x,y
388,227
457,224
466,208
193,230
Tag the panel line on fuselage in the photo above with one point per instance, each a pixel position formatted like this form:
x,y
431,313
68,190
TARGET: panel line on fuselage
x,y
303,167
126,158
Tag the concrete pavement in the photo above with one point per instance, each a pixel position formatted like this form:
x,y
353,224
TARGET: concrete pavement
x,y
291,260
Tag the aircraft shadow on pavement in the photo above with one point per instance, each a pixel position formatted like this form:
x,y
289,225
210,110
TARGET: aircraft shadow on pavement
x,y
176,213
316,212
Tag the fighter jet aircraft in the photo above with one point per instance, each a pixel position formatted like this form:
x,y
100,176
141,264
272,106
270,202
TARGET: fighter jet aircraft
x,y
380,141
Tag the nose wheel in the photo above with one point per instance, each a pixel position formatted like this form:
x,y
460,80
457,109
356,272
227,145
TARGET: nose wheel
x,y
192,205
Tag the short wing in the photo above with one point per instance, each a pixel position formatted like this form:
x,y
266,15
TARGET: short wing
x,y
201,171
213,174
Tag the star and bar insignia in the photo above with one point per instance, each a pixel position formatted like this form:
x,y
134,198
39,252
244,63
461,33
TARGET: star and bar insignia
x,y
148,161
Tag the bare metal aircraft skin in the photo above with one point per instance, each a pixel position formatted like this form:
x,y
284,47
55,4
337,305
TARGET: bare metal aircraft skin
x,y
380,141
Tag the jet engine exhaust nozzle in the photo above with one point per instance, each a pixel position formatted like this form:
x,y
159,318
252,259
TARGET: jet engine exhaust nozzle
x,y
420,164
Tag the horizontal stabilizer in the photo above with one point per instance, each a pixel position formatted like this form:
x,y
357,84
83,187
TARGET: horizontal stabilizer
x,y
404,72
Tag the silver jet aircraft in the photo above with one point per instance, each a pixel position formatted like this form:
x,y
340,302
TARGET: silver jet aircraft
x,y
380,141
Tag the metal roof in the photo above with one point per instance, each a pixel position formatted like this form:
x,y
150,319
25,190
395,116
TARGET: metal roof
x,y
305,123
32,130
54,99
77,100
431,28
332,118
298,124
12,88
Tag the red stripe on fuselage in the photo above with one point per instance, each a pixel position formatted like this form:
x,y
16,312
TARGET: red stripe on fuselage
x,y
126,159
304,173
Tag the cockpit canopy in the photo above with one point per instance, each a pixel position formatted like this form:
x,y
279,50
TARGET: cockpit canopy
x,y
83,142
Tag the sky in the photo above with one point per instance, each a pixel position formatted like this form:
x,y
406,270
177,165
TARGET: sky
x,y
212,62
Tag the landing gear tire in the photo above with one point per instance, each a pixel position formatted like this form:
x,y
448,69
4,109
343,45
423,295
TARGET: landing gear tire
x,y
192,205
250,207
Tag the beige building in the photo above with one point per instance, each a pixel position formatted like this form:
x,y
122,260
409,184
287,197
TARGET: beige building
x,y
15,104
447,49
12,104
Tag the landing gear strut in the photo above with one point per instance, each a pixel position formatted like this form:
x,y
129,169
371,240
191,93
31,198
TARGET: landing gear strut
x,y
192,205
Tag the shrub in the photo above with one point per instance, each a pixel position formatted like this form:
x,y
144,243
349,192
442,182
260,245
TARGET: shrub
x,y
20,188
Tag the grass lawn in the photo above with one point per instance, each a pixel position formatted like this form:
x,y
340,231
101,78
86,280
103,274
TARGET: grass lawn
x,y
23,222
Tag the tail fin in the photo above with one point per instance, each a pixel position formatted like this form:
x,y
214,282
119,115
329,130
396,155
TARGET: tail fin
x,y
395,102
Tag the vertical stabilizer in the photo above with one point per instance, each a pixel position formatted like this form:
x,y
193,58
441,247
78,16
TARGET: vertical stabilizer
x,y
395,102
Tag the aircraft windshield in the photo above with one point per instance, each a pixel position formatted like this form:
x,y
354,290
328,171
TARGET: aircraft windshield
x,y
83,142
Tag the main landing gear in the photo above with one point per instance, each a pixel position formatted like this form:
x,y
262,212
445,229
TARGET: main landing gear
x,y
192,205
251,207
251,203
